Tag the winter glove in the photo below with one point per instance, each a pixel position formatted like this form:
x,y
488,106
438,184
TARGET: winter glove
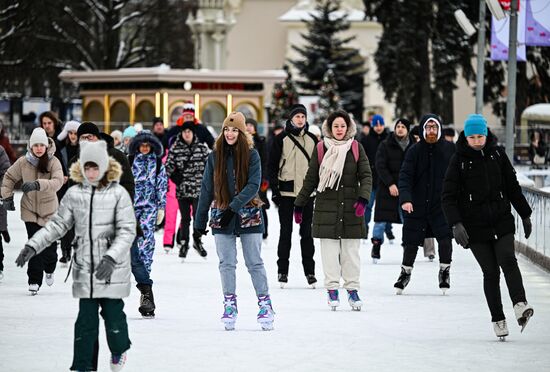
x,y
6,236
105,268
360,205
160,216
177,178
226,217
30,186
298,214
264,185
26,254
276,199
460,235
527,227
8,204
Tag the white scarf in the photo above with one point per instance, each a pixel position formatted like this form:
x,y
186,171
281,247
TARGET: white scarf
x,y
332,165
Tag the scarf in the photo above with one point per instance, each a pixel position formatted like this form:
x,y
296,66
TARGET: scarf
x,y
403,142
31,159
332,165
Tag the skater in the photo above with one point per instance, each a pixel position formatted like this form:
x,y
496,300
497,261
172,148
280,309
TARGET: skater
x,y
260,146
41,176
420,185
340,173
288,163
230,188
389,158
69,138
5,235
185,167
102,214
127,136
479,189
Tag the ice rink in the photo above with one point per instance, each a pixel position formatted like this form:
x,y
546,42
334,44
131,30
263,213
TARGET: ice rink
x,y
420,330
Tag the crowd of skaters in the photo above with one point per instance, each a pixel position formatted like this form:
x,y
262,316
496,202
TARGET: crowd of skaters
x,y
327,180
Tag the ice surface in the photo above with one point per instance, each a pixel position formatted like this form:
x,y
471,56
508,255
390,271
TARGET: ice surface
x,y
420,330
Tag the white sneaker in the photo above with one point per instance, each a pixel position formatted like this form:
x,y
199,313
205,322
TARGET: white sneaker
x,y
33,288
523,312
118,361
49,279
501,329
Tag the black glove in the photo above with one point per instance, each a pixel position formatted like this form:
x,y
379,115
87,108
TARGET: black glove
x,y
30,186
105,268
276,199
226,217
8,204
6,236
26,254
177,178
197,233
460,234
527,227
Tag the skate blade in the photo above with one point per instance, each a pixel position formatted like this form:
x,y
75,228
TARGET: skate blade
x,y
375,260
282,285
148,316
33,293
398,291
167,251
444,290
312,286
64,265
502,338
356,308
229,325
333,308
527,314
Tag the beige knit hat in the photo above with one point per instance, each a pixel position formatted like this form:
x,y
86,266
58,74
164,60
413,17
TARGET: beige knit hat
x,y
236,120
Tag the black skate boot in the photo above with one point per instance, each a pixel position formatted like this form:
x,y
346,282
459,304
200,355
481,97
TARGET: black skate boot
x,y
283,279
375,253
311,280
403,280
197,245
146,301
390,236
444,277
184,248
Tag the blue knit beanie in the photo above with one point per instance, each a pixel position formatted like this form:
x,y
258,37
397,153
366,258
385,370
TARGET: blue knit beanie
x,y
475,124
129,132
377,120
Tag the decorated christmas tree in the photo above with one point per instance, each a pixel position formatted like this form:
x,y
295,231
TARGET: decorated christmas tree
x,y
283,97
329,100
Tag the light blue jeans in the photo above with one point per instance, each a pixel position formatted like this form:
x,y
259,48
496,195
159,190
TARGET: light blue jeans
x,y
226,247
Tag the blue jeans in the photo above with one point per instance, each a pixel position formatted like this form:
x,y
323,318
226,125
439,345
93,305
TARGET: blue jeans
x,y
368,214
138,266
226,247
384,227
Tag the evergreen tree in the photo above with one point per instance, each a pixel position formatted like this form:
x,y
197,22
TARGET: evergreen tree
x,y
329,101
283,96
324,47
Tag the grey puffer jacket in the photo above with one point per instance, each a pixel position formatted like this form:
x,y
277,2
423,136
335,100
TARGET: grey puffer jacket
x,y
105,224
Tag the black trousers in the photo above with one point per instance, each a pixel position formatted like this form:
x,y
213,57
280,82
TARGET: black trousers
x,y
86,331
44,262
286,220
492,256
445,249
1,255
66,243
185,211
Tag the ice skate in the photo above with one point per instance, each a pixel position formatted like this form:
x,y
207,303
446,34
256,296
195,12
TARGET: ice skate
x,y
390,236
197,245
64,260
523,312
118,361
33,289
230,312
49,279
311,280
444,277
354,300
375,252
184,248
146,301
283,279
1,275
333,300
431,258
403,280
266,313
501,329
167,249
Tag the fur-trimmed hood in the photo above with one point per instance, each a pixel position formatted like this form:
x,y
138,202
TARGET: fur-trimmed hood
x,y
350,133
113,174
146,136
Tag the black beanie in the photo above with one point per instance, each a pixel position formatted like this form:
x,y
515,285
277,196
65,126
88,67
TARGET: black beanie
x,y
415,131
157,119
253,122
87,128
403,121
297,109
188,125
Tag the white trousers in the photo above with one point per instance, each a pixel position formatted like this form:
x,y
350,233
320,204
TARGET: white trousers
x,y
341,260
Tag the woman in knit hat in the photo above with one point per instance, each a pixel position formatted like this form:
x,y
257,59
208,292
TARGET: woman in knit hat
x,y
479,189
230,189
101,211
42,176
127,136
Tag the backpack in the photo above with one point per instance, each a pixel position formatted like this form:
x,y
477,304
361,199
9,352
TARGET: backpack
x,y
321,150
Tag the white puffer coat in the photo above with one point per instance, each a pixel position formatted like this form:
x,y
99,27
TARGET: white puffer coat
x,y
105,224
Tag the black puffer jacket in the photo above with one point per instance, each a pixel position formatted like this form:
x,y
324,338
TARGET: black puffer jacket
x,y
389,158
370,144
478,190
421,182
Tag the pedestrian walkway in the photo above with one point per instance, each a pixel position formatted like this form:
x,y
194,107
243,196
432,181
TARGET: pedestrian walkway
x,y
420,330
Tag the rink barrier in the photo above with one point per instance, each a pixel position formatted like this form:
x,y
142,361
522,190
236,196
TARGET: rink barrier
x,y
537,247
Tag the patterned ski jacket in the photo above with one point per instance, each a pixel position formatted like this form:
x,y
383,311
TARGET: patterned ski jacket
x,y
151,182
185,167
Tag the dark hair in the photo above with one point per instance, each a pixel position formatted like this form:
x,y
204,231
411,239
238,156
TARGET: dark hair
x,y
338,114
52,116
43,162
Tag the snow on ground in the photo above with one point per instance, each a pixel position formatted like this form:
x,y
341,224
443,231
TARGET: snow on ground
x,y
420,330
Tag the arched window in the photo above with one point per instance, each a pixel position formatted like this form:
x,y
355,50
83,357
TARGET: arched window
x,y
145,111
94,112
213,113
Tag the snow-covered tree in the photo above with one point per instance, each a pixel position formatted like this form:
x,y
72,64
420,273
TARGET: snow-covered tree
x,y
283,96
329,100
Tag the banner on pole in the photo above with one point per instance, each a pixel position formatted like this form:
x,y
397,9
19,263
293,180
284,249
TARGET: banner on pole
x,y
500,31
537,23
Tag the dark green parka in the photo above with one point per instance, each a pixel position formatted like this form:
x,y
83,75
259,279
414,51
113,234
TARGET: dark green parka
x,y
334,214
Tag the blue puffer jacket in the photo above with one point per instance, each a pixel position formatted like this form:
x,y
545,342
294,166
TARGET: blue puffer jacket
x,y
248,218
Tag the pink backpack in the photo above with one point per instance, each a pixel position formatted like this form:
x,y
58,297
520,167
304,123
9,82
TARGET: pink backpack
x,y
321,150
